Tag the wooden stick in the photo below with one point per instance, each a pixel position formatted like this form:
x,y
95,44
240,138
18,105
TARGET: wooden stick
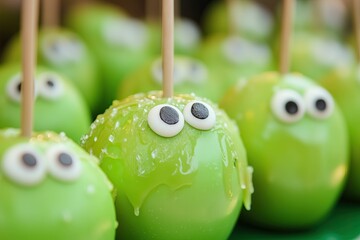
x,y
231,7
168,47
29,25
286,25
356,19
50,13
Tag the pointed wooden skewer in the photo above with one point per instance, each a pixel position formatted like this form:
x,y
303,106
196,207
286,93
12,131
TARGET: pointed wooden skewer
x,y
286,30
28,38
168,47
356,19
50,16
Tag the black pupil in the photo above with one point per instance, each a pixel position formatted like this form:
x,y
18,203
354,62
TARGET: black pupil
x,y
29,160
50,83
169,115
199,111
291,107
65,159
320,105
18,87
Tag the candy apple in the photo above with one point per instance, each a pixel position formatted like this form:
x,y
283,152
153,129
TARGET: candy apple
x,y
52,189
58,107
297,142
178,165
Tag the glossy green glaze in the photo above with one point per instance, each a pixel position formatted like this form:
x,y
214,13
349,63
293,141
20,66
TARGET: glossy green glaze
x,y
315,55
53,208
250,20
119,43
344,85
64,52
299,167
190,76
234,58
190,186
59,108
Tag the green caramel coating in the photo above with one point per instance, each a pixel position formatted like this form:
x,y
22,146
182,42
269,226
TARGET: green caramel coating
x,y
300,167
190,186
55,209
67,112
344,84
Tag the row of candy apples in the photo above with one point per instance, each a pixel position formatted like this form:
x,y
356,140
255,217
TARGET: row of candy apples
x,y
288,122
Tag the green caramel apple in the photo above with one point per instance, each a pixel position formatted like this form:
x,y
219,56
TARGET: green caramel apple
x,y
52,189
178,165
315,55
63,51
58,106
190,76
120,44
250,20
344,84
297,142
235,57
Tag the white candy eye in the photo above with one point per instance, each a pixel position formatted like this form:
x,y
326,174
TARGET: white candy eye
x,y
24,165
199,115
288,106
63,164
13,88
50,86
179,73
62,49
197,72
187,34
166,120
319,103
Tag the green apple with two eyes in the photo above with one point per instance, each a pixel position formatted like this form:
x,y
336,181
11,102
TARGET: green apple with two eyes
x,y
178,165
190,76
52,189
58,105
315,55
297,142
63,51
121,44
250,20
344,84
235,57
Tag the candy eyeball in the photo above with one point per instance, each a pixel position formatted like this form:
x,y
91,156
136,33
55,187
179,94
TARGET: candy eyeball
x,y
179,72
63,164
288,106
197,72
60,50
199,115
166,120
319,103
125,32
239,50
13,88
24,165
187,34
50,86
